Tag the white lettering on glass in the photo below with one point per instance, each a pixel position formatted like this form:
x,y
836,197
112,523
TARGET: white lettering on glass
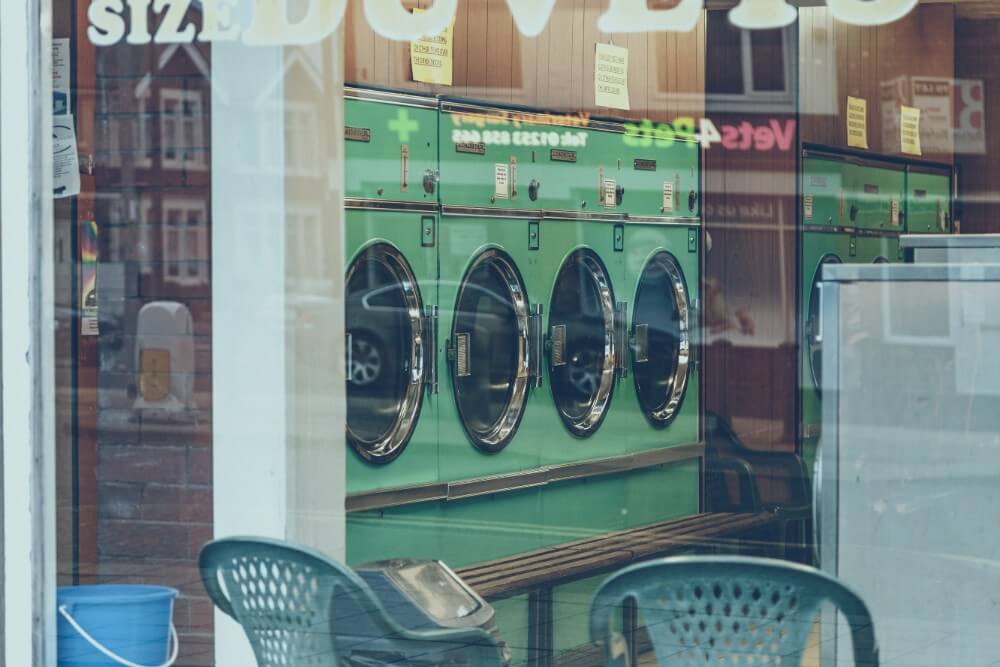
x,y
531,16
138,32
636,16
217,21
870,12
107,26
391,20
170,31
271,27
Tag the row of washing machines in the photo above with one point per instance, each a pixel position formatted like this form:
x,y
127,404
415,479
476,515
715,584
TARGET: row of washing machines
x,y
854,209
521,306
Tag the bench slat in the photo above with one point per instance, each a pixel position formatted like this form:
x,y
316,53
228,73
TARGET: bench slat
x,y
563,555
589,557
591,543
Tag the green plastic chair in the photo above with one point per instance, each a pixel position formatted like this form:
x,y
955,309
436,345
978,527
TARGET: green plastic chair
x,y
728,610
297,606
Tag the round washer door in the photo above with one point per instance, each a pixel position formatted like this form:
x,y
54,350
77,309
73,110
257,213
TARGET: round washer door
x,y
385,351
490,345
582,337
814,342
661,344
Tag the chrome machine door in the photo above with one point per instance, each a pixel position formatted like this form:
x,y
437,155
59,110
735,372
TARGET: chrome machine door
x,y
489,350
385,353
582,337
661,343
814,324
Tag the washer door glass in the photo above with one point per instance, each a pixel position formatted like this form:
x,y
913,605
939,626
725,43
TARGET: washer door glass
x,y
490,350
660,339
813,324
385,353
582,340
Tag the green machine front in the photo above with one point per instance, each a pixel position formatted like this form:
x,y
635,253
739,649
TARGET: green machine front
x,y
852,212
929,200
391,311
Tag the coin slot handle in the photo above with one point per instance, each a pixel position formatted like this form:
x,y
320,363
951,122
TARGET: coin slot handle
x,y
557,345
431,178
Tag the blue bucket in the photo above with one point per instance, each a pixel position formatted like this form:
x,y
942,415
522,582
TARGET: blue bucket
x,y
116,626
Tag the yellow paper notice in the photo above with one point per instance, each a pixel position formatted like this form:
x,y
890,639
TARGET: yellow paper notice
x,y
857,122
909,130
432,58
611,77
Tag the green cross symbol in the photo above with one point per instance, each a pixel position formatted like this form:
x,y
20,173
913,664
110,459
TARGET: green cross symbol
x,y
403,126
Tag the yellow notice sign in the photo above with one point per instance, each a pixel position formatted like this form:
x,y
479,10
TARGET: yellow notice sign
x,y
611,77
909,130
432,58
857,122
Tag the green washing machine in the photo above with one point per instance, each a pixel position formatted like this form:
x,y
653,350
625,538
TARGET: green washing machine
x,y
493,419
391,290
852,212
929,199
828,237
391,302
662,204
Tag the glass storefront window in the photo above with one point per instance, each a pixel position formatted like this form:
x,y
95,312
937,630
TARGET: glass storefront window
x,y
461,307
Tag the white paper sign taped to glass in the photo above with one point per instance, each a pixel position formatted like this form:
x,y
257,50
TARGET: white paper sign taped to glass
x,y
432,58
65,161
611,77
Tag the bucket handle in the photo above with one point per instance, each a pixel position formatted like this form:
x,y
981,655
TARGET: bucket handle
x,y
108,653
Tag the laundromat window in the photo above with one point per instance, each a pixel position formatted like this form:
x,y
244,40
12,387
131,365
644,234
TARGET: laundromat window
x,y
485,301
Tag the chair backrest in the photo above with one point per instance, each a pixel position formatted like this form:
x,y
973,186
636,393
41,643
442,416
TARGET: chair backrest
x,y
299,607
730,610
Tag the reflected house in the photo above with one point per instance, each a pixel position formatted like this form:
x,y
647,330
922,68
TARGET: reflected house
x,y
143,514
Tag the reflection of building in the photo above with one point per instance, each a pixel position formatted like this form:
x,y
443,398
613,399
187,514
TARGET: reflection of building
x,y
152,203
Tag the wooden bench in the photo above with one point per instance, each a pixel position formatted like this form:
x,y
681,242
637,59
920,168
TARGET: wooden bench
x,y
536,573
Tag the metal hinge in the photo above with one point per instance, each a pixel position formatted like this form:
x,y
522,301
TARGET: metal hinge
x,y
694,332
430,334
535,344
621,339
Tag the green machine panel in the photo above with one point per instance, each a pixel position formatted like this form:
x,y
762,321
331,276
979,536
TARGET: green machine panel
x,y
818,248
493,414
390,146
391,295
511,159
661,179
928,202
824,194
583,275
875,196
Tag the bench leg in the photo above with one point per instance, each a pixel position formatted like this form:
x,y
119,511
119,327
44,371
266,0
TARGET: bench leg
x,y
540,639
630,628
